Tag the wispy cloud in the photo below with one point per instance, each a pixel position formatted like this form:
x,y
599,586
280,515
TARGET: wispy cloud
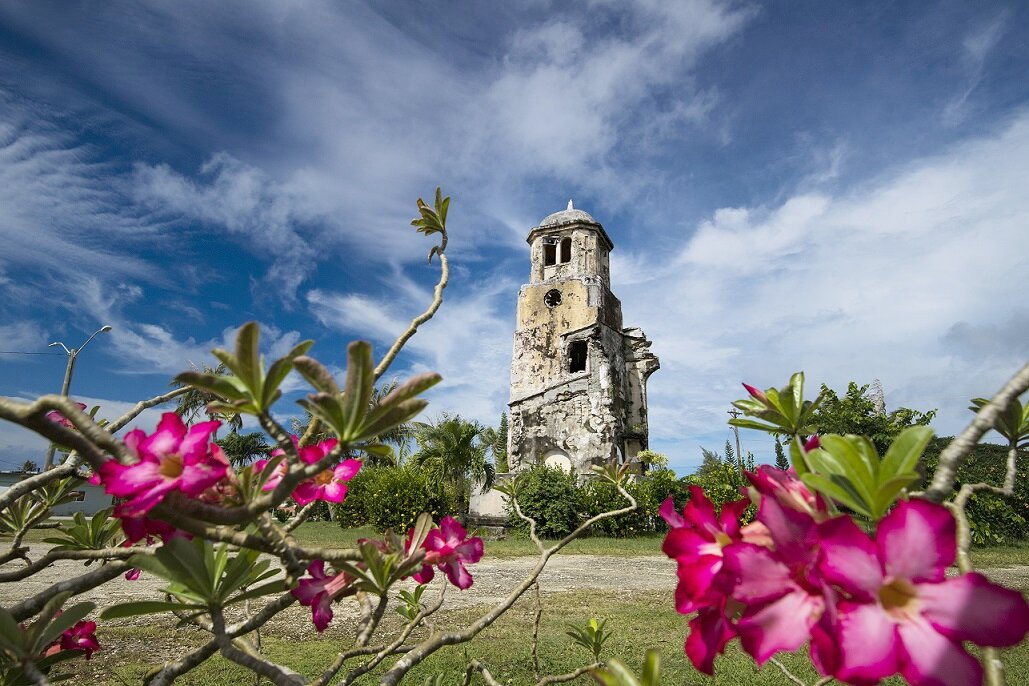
x,y
975,50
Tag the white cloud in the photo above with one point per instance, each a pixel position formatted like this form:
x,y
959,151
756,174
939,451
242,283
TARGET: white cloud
x,y
911,278
468,342
975,50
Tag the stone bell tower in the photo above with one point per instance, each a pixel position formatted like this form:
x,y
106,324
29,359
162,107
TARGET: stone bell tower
x,y
578,378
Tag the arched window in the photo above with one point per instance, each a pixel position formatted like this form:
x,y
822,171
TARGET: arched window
x,y
549,254
566,250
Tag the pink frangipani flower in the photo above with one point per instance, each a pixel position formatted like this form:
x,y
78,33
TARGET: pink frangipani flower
x,y
329,485
790,491
785,595
449,548
173,458
696,540
82,636
901,614
319,590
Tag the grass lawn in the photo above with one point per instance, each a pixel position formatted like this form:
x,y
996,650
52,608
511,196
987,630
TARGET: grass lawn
x,y
638,621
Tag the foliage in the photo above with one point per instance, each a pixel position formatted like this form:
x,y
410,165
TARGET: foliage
x,y
652,461
391,498
860,414
552,498
993,519
599,496
496,439
242,449
451,449
592,636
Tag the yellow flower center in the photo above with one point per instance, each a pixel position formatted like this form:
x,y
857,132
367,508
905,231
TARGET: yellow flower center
x,y
171,466
323,478
899,597
722,539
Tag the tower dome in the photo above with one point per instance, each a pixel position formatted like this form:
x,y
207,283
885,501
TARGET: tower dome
x,y
569,215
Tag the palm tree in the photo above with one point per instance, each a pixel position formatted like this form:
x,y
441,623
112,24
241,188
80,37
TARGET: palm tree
x,y
452,449
242,449
195,401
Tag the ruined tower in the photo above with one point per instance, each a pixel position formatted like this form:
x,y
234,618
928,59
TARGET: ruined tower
x,y
578,378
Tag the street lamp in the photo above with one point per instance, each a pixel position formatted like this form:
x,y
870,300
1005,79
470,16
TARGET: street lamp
x,y
72,354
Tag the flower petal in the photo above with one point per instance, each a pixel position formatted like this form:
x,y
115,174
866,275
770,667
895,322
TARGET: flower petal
x,y
166,439
709,633
916,541
452,531
850,558
670,515
931,659
866,640
700,512
194,443
753,575
457,574
971,608
470,551
784,624
346,470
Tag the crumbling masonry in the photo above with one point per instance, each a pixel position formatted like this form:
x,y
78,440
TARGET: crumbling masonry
x,y
578,379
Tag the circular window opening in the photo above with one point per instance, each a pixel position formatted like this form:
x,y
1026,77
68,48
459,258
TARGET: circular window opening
x,y
552,298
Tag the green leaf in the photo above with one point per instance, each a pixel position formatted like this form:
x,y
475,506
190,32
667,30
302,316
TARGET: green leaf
x,y
752,424
838,489
316,374
652,664
358,387
145,607
272,587
11,635
853,456
278,371
248,359
65,621
890,489
902,455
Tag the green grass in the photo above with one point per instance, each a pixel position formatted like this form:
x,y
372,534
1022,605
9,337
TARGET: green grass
x,y
514,545
638,621
1001,556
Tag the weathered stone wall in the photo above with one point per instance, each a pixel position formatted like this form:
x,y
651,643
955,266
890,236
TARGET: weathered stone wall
x,y
589,416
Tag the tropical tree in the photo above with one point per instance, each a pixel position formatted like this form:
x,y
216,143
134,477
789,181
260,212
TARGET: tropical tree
x,y
863,413
29,467
452,449
194,402
242,449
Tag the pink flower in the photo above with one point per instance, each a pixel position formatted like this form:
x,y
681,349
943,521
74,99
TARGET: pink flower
x,y
902,614
696,540
812,443
449,548
319,591
785,595
59,418
790,491
329,485
82,636
756,393
171,459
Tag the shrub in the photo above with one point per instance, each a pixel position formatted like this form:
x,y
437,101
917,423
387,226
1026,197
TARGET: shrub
x,y
552,498
392,498
602,496
992,519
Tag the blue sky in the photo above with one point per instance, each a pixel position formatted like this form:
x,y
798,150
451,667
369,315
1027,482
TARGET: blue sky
x,y
833,187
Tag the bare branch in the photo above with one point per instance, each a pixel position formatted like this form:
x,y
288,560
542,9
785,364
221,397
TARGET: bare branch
x,y
123,420
31,606
957,452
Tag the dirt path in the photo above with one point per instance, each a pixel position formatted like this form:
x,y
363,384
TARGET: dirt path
x,y
493,578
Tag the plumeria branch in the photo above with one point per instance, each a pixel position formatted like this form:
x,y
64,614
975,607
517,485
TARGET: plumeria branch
x,y
438,640
55,555
136,409
959,449
794,678
80,584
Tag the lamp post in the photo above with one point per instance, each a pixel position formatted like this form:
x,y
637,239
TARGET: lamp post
x,y
72,354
